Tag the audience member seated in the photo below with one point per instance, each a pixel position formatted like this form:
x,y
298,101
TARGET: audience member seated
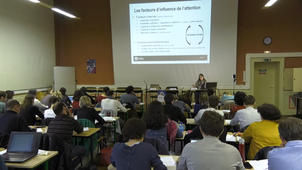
x,y
187,98
238,98
65,99
203,103
173,112
45,99
264,133
11,121
29,111
84,90
213,104
289,155
2,101
9,95
103,95
49,113
248,115
90,113
135,154
37,103
58,94
64,125
76,97
180,104
210,153
157,124
2,164
130,97
111,104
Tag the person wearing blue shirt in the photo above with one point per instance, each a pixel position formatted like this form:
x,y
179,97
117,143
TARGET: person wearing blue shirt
x,y
135,154
288,156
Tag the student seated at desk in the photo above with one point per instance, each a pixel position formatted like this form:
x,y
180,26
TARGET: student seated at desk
x,y
37,103
213,104
210,153
289,155
130,97
64,125
264,133
238,99
135,154
180,104
49,113
174,113
9,95
203,103
76,97
65,99
11,121
29,111
45,99
103,95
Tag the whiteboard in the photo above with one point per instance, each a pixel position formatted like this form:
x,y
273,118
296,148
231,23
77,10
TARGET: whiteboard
x,y
64,77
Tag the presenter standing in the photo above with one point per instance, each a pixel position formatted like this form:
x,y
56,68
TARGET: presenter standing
x,y
200,84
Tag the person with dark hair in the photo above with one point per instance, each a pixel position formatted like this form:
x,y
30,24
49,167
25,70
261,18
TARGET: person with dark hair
x,y
37,103
65,99
210,153
63,126
180,104
84,90
2,101
29,111
238,99
48,94
213,104
103,95
173,112
187,97
203,103
288,156
248,115
76,98
264,133
11,121
49,113
135,154
9,95
130,97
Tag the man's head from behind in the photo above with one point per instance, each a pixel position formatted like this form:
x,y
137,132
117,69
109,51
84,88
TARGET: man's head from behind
x,y
109,93
249,100
105,90
33,92
129,89
211,123
13,105
60,108
290,129
213,101
169,98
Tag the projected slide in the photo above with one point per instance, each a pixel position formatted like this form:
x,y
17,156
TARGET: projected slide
x,y
170,32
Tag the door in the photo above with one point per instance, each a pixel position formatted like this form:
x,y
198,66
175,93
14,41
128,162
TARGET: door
x,y
266,83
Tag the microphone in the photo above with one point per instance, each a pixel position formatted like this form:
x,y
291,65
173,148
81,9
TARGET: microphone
x,y
146,85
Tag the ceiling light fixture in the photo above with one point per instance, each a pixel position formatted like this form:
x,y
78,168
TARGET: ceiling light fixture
x,y
270,3
35,1
63,12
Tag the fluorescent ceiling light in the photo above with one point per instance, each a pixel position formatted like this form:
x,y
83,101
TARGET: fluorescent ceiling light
x,y
63,12
270,3
35,1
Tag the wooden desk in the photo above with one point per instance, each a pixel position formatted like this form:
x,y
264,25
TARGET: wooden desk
x,y
176,159
34,162
190,121
127,113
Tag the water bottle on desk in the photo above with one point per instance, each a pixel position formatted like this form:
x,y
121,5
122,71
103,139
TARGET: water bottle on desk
x,y
181,127
241,149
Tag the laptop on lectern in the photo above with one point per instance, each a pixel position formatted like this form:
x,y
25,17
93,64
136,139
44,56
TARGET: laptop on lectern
x,y
211,85
22,146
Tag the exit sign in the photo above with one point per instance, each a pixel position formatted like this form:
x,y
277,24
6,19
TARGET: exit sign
x,y
266,60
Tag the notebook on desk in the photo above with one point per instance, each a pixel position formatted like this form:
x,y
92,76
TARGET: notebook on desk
x,y
22,146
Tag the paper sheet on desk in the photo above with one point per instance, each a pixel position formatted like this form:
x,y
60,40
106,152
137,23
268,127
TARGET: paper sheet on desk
x,y
260,165
228,121
39,151
168,160
108,118
227,111
231,138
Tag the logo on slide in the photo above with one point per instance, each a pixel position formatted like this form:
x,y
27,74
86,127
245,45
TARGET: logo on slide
x,y
194,34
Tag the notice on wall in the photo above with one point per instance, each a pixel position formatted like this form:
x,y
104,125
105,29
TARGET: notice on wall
x,y
262,71
91,66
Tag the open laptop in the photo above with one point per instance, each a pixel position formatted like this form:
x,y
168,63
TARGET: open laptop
x,y
22,146
211,85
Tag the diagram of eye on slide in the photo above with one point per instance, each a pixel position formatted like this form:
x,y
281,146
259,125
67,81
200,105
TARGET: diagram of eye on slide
x,y
170,32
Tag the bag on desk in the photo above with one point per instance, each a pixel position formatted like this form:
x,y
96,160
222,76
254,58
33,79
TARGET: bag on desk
x,y
104,157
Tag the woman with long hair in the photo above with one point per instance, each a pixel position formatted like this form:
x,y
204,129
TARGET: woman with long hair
x,y
29,111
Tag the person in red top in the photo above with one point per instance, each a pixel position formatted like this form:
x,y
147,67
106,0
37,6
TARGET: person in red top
x,y
76,97
238,98
103,95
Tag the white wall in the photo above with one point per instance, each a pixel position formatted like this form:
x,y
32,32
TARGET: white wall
x,y
27,45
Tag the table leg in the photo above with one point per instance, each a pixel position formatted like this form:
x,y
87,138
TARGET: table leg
x,y
46,165
91,148
114,123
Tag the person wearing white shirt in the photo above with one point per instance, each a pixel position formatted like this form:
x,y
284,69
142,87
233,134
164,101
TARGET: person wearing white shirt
x,y
213,103
37,103
49,113
248,115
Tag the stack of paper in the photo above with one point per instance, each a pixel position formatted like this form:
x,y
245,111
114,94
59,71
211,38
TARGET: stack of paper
x,y
260,165
108,118
231,138
168,160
